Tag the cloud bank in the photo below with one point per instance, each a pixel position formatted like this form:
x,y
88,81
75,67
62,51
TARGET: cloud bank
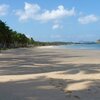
x,y
88,19
34,11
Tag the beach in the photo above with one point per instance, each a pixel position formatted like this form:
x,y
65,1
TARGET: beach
x,y
49,73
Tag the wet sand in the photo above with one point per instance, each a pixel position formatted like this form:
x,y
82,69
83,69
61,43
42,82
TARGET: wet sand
x,y
49,73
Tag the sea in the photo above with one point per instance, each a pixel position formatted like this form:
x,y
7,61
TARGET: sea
x,y
82,46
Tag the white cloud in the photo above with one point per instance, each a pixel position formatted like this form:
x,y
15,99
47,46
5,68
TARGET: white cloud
x,y
29,12
88,19
60,12
57,26
32,11
3,9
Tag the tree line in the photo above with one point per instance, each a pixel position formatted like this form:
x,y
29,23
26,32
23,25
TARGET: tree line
x,y
11,39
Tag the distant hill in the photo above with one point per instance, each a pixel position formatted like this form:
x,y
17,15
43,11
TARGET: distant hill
x,y
98,41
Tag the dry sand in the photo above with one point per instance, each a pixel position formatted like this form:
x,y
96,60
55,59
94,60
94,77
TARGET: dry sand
x,y
48,73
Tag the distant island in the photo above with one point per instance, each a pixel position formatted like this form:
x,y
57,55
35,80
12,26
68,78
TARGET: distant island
x,y
98,41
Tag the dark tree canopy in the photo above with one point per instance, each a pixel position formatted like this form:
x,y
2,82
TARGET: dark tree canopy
x,y
10,38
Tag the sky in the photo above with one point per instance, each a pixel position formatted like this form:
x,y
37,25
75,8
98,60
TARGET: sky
x,y
53,20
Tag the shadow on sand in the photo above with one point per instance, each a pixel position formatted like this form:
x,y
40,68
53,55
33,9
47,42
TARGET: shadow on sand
x,y
23,63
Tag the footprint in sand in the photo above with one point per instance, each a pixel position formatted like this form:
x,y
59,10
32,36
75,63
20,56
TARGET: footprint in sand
x,y
61,84
77,97
57,83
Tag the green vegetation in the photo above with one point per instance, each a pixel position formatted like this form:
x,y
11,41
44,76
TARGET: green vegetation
x,y
12,39
37,43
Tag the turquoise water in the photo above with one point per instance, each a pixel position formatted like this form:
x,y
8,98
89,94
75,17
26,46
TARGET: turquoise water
x,y
82,46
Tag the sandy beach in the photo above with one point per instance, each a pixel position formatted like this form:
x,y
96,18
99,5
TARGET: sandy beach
x,y
49,73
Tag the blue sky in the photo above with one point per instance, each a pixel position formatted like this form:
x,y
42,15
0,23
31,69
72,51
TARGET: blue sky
x,y
53,20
